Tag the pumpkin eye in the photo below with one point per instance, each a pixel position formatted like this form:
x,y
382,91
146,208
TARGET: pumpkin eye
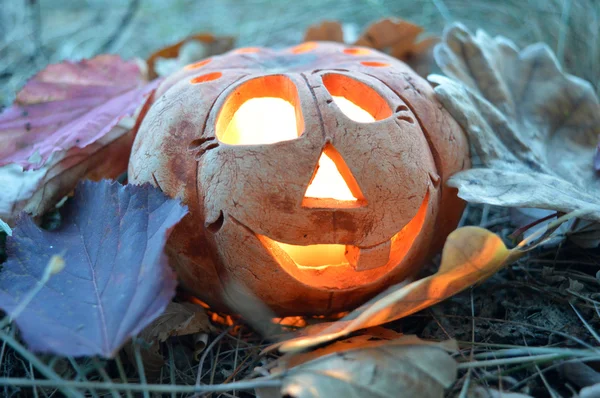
x,y
264,110
355,99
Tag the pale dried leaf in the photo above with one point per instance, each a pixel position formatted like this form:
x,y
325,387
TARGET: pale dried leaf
x,y
533,127
470,255
585,234
406,367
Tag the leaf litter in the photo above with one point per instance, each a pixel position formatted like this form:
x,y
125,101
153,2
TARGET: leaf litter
x,y
532,127
362,355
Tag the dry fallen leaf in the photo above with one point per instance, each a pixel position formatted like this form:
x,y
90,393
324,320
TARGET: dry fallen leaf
x,y
358,367
470,255
371,336
191,49
395,36
178,319
116,278
533,127
71,121
325,31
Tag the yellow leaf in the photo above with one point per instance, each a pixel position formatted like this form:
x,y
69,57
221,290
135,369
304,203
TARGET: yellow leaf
x,y
470,255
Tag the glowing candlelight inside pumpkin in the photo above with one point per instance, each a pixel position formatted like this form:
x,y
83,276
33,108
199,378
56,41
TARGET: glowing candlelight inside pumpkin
x,y
267,120
328,182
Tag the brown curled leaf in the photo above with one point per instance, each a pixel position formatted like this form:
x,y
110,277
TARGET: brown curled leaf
x,y
187,51
401,39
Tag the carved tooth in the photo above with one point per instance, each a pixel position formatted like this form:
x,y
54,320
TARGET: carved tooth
x,y
366,258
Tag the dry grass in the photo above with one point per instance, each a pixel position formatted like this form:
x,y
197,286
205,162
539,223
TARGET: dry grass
x,y
547,304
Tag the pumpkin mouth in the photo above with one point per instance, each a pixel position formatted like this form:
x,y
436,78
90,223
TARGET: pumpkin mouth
x,y
338,266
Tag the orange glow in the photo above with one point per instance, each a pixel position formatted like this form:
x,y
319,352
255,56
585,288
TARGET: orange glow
x,y
267,120
375,64
328,182
259,121
326,266
357,51
304,47
197,65
315,256
353,111
206,78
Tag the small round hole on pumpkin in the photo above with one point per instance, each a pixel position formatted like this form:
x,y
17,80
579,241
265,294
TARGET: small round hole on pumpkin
x,y
375,64
304,47
198,64
355,99
264,110
206,78
357,51
247,50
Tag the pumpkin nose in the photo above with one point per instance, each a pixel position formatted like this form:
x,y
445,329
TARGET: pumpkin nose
x,y
328,182
332,184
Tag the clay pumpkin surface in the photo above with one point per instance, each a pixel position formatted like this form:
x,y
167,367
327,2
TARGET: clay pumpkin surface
x,y
314,175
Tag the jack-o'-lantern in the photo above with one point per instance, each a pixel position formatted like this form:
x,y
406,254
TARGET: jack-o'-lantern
x,y
314,175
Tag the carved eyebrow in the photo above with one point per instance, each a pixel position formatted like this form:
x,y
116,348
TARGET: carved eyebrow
x,y
202,145
400,110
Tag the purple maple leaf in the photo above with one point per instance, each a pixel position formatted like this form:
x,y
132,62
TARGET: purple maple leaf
x,y
69,105
116,279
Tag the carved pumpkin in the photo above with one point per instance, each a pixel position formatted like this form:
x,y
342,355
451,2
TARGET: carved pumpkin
x,y
314,175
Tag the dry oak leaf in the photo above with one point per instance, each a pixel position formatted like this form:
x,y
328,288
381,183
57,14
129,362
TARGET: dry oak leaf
x,y
358,367
70,122
470,255
532,127
115,281
189,50
395,36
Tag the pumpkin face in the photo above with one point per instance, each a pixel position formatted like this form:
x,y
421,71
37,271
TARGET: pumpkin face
x,y
314,175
